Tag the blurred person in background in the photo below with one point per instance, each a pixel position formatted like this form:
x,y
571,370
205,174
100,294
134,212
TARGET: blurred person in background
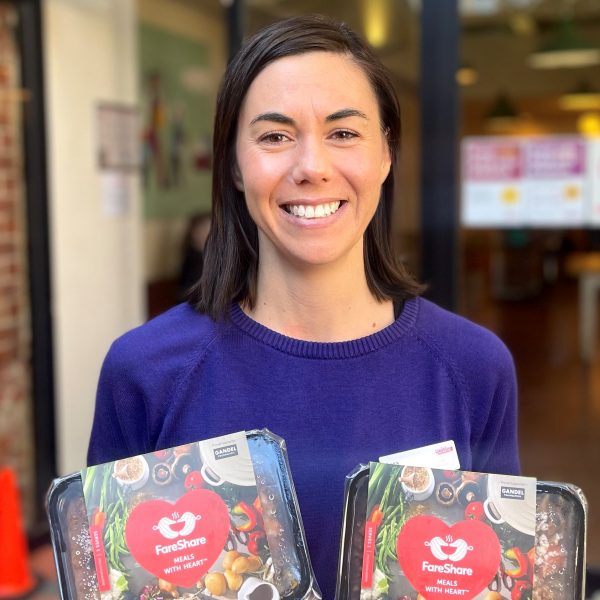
x,y
304,321
193,252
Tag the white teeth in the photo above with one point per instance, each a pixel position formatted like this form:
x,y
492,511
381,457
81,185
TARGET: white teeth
x,y
313,212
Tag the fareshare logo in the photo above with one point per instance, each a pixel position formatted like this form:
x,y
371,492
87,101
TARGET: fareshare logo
x,y
444,561
178,526
168,539
448,549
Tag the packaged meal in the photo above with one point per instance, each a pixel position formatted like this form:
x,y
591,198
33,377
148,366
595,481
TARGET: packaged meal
x,y
212,519
541,553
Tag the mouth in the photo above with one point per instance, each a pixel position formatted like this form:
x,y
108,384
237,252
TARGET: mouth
x,y
313,211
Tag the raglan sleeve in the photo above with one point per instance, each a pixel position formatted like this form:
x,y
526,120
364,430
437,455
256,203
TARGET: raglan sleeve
x,y
119,415
494,441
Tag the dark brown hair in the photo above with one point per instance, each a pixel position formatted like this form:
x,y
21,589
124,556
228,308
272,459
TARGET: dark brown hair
x,y
231,251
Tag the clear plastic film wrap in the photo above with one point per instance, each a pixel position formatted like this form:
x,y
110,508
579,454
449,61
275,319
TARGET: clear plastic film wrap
x,y
560,539
286,573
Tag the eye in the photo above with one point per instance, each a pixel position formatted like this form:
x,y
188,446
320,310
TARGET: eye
x,y
273,138
344,134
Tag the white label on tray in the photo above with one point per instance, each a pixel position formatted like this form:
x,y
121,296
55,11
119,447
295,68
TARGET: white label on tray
x,y
442,455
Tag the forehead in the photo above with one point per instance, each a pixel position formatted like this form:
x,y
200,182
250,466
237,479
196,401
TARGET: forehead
x,y
319,79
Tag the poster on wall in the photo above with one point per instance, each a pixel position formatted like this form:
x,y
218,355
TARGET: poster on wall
x,y
529,182
554,176
118,134
594,171
177,88
491,182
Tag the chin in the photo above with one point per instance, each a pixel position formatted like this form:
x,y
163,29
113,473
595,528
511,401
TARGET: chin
x,y
318,259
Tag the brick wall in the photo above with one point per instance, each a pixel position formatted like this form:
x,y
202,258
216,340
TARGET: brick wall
x,y
16,441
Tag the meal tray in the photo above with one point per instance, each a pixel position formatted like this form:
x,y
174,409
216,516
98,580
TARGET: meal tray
x,y
561,527
291,569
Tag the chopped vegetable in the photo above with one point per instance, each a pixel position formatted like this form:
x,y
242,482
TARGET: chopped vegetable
x,y
193,480
475,511
376,516
244,509
531,559
520,562
256,542
99,518
522,590
168,588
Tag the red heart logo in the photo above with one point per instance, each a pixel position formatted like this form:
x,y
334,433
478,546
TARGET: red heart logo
x,y
178,542
448,562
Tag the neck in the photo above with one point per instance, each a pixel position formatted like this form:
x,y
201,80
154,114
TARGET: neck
x,y
323,303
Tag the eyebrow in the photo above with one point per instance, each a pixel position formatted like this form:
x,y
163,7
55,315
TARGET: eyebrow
x,y
346,112
276,117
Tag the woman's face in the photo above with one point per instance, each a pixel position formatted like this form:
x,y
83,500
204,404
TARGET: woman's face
x,y
311,158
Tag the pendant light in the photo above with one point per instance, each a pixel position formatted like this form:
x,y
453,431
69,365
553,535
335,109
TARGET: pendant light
x,y
588,124
582,97
502,111
466,74
567,49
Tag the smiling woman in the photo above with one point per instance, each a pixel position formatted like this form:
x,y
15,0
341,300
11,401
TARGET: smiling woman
x,y
311,174
303,320
306,109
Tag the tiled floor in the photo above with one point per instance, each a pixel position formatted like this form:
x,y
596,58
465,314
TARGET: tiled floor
x,y
559,396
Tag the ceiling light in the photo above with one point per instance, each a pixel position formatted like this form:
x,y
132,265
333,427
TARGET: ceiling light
x,y
466,75
566,50
582,97
589,124
376,23
522,24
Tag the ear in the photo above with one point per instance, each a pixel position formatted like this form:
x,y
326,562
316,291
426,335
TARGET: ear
x,y
386,161
237,177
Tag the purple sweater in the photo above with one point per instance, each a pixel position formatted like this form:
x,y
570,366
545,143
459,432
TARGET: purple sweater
x,y
428,377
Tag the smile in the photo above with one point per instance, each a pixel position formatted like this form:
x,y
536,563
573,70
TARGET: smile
x,y
309,211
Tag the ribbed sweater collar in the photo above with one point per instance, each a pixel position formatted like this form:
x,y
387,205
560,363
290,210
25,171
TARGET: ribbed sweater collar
x,y
328,350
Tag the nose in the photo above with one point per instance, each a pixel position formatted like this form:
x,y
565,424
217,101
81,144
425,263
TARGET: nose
x,y
312,163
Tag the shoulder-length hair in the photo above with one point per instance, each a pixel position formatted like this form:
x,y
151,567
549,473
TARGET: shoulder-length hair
x,y
231,251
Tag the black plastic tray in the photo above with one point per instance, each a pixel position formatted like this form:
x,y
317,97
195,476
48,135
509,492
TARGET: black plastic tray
x,y
563,502
292,571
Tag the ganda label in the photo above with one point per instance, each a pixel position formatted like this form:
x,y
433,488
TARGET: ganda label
x,y
160,522
447,533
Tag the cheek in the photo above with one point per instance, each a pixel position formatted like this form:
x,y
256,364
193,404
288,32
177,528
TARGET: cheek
x,y
262,175
367,175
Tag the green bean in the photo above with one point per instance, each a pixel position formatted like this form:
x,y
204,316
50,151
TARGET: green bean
x,y
375,475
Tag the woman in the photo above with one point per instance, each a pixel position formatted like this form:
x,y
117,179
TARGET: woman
x,y
303,321
193,252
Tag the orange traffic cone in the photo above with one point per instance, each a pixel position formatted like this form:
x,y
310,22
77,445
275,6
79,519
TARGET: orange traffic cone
x,y
15,575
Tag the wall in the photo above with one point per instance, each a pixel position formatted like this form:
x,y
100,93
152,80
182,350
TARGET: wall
x,y
90,56
16,442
